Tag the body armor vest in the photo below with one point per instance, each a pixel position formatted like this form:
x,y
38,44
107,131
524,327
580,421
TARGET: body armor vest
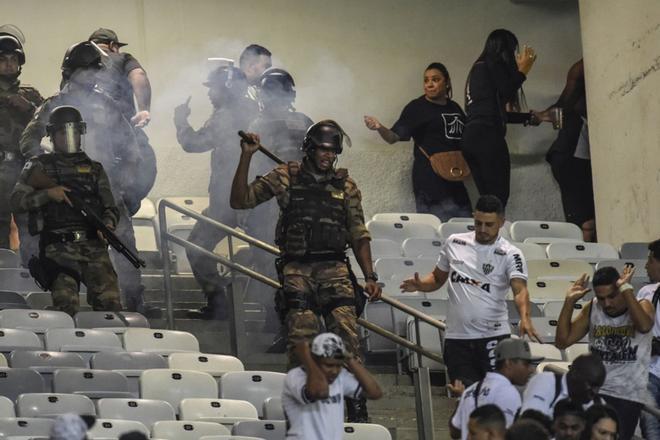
x,y
78,173
315,221
13,120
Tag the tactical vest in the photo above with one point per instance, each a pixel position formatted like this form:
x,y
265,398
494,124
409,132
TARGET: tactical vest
x,y
12,120
314,223
81,175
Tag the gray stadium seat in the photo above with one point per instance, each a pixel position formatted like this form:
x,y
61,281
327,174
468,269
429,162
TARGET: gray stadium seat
x,y
3,361
634,251
422,247
52,405
130,364
26,427
514,314
640,272
180,257
408,217
175,385
36,320
229,437
17,280
135,319
145,411
531,251
590,252
552,309
546,328
273,409
430,339
39,300
159,341
558,269
185,430
447,229
523,229
95,319
224,411
379,313
17,381
545,290
46,362
95,384
253,386
214,364
461,220
266,429
402,268
12,300
9,259
85,342
382,247
6,408
398,232
365,431
113,428
545,241
16,339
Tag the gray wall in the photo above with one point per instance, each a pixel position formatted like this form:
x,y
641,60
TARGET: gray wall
x,y
348,58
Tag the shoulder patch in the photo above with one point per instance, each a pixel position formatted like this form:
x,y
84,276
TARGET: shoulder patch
x,y
499,251
459,241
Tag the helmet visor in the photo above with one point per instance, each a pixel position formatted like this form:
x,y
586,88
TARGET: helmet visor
x,y
68,137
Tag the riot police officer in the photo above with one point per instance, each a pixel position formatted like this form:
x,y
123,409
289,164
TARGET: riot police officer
x,y
110,140
71,251
17,105
232,111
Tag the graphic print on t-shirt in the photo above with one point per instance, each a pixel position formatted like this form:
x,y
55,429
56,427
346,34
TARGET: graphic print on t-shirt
x,y
614,344
453,125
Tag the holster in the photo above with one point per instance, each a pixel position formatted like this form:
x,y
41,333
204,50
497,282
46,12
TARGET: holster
x,y
360,298
280,297
43,270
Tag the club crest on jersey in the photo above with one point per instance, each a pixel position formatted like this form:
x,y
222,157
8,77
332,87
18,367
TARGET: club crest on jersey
x,y
487,268
500,252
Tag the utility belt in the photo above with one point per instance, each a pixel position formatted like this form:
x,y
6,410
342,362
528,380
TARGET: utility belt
x,y
312,258
8,156
48,238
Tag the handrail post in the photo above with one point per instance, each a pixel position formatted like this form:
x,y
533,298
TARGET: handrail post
x,y
167,269
423,397
236,309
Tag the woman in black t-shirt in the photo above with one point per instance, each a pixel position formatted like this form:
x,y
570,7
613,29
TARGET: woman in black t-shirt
x,y
435,123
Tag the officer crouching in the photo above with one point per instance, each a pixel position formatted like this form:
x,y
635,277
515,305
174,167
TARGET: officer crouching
x,y
71,251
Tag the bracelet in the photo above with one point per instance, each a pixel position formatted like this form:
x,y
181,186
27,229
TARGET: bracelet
x,y
626,286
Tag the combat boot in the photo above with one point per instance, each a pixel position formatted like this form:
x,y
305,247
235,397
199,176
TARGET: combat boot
x,y
279,343
356,410
216,308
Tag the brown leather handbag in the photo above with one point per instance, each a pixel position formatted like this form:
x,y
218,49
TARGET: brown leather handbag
x,y
450,165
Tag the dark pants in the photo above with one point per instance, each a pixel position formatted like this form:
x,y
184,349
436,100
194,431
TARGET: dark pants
x,y
9,172
468,360
628,412
487,154
577,193
443,209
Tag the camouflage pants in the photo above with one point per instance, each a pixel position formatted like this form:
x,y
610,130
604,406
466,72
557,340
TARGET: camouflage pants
x,y
314,289
90,261
9,172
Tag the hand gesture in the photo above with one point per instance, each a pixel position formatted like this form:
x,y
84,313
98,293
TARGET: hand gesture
x,y
372,289
457,388
527,329
141,119
372,123
411,284
626,275
578,289
20,103
525,59
58,194
182,111
250,147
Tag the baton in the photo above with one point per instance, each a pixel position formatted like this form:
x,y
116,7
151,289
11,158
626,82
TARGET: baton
x,y
263,149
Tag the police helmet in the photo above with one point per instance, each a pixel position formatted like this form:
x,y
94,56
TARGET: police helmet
x,y
228,77
10,44
68,118
81,55
325,134
278,81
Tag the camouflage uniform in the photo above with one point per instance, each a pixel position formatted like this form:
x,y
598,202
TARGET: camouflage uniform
x,y
66,237
315,283
218,135
12,123
111,141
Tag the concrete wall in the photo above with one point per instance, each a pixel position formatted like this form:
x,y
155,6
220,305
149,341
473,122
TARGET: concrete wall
x,y
622,60
348,58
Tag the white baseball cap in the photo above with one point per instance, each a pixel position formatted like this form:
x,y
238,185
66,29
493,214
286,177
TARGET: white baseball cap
x,y
328,345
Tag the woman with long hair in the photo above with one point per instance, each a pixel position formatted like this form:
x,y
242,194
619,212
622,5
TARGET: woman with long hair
x,y
493,88
602,423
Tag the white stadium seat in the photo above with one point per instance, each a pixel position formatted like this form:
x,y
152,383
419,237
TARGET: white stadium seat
x,y
382,247
175,385
17,280
27,427
551,309
129,363
95,384
398,269
112,428
273,409
214,364
591,252
147,210
365,431
16,339
548,351
546,328
531,251
6,408
253,386
545,290
46,362
430,339
224,411
38,321
266,429
558,269
9,259
522,229
186,430
196,204
163,342
145,411
541,367
545,241
17,381
619,264
412,217
398,232
634,250
422,247
576,350
85,342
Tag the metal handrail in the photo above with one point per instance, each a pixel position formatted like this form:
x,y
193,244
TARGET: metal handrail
x,y
559,370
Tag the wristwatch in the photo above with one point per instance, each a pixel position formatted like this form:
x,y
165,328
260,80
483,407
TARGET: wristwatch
x,y
373,276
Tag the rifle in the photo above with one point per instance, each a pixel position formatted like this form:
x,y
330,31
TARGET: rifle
x,y
40,180
263,149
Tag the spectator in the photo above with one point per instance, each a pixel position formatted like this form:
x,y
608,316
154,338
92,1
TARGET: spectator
x,y
527,429
581,384
537,416
435,123
568,420
69,427
619,326
491,90
481,268
313,396
650,424
602,423
514,365
487,423
133,435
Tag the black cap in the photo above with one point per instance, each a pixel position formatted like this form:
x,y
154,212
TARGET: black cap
x,y
11,44
105,35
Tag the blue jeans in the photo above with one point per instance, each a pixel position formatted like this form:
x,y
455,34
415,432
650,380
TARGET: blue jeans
x,y
443,209
650,424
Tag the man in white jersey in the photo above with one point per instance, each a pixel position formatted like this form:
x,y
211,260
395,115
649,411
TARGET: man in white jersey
x,y
514,364
480,267
650,424
313,395
619,325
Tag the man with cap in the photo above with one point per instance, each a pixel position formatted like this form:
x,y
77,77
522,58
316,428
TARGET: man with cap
x,y
17,105
313,395
232,111
514,365
71,250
